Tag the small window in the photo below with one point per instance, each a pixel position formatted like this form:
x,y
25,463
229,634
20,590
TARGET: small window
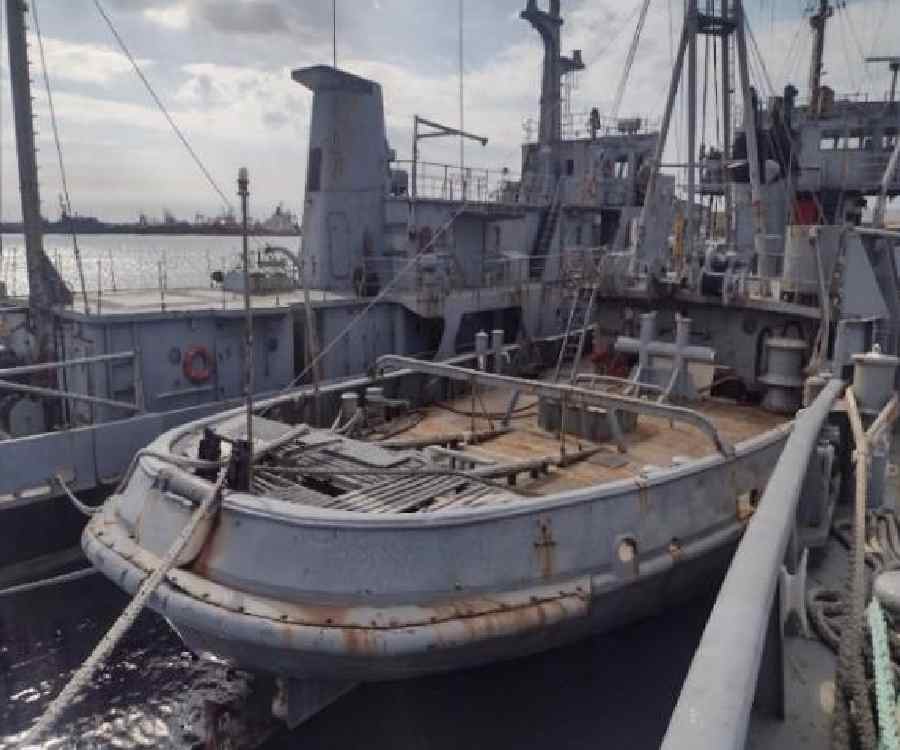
x,y
578,235
829,141
889,139
622,168
570,167
314,171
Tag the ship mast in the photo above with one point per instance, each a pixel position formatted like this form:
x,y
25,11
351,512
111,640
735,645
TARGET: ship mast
x,y
44,287
818,22
548,23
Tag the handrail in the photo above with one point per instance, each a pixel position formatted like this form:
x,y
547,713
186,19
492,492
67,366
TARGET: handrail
x,y
571,394
44,366
713,709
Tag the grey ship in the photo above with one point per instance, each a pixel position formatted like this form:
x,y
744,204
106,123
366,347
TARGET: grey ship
x,y
445,513
85,389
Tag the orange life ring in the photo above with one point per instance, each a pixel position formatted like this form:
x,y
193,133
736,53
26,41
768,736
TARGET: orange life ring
x,y
197,364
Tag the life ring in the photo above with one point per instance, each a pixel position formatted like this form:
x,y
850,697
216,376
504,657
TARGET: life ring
x,y
197,364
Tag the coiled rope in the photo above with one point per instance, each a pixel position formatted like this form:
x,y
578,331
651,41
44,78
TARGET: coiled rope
x,y
840,619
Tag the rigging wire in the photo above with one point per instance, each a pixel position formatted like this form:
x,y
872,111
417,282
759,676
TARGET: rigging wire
x,y
2,274
378,298
629,60
162,107
761,63
846,50
62,168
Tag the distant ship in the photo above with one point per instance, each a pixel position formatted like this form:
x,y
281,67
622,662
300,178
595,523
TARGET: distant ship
x,y
282,223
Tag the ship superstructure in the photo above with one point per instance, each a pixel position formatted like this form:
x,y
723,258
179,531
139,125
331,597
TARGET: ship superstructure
x,y
430,253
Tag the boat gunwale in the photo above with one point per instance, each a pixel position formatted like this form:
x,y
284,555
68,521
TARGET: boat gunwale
x,y
273,508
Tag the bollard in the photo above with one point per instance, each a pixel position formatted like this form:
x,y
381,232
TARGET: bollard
x,y
873,379
375,406
349,406
481,349
784,375
497,336
873,386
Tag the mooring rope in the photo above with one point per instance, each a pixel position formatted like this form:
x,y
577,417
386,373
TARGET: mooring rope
x,y
851,687
47,582
103,649
839,619
86,510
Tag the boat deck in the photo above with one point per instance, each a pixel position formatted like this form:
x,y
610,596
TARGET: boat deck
x,y
441,457
194,299
654,442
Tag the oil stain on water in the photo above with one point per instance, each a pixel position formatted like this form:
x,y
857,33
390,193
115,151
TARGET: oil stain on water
x,y
617,690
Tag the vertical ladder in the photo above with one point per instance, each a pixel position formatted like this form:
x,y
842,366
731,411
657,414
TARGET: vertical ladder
x,y
572,346
546,234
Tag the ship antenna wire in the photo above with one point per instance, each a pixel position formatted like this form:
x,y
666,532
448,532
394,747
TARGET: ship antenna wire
x,y
59,155
162,107
462,110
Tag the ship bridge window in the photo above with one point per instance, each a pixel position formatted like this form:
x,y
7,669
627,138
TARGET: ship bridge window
x,y
889,139
570,167
622,167
314,171
855,140
829,141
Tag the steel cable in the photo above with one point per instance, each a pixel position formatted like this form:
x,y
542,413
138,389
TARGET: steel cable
x,y
62,168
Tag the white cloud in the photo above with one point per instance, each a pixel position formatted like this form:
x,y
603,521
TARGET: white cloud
x,y
250,112
176,17
85,63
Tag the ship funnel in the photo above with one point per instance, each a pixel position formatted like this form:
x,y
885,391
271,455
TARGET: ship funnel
x,y
347,170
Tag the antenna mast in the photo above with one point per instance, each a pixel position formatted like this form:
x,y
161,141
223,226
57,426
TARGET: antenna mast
x,y
334,31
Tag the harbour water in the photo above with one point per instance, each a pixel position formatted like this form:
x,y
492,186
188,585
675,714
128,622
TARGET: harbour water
x,y
612,691
112,262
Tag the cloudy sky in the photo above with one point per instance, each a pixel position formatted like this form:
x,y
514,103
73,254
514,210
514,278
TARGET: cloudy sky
x,y
223,69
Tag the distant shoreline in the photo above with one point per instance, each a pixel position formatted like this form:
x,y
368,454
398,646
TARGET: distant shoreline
x,y
178,228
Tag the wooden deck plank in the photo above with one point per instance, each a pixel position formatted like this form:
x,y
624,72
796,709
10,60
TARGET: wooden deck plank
x,y
655,442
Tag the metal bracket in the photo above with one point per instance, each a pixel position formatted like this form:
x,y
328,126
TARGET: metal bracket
x,y
792,597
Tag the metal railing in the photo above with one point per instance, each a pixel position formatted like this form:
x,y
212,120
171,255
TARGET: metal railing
x,y
443,272
575,125
713,709
449,182
68,397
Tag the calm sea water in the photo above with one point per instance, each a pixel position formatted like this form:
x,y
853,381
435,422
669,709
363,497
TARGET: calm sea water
x,y
132,261
614,691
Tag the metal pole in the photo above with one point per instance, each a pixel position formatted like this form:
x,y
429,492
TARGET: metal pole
x,y
691,22
244,193
726,125
758,210
648,207
40,297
